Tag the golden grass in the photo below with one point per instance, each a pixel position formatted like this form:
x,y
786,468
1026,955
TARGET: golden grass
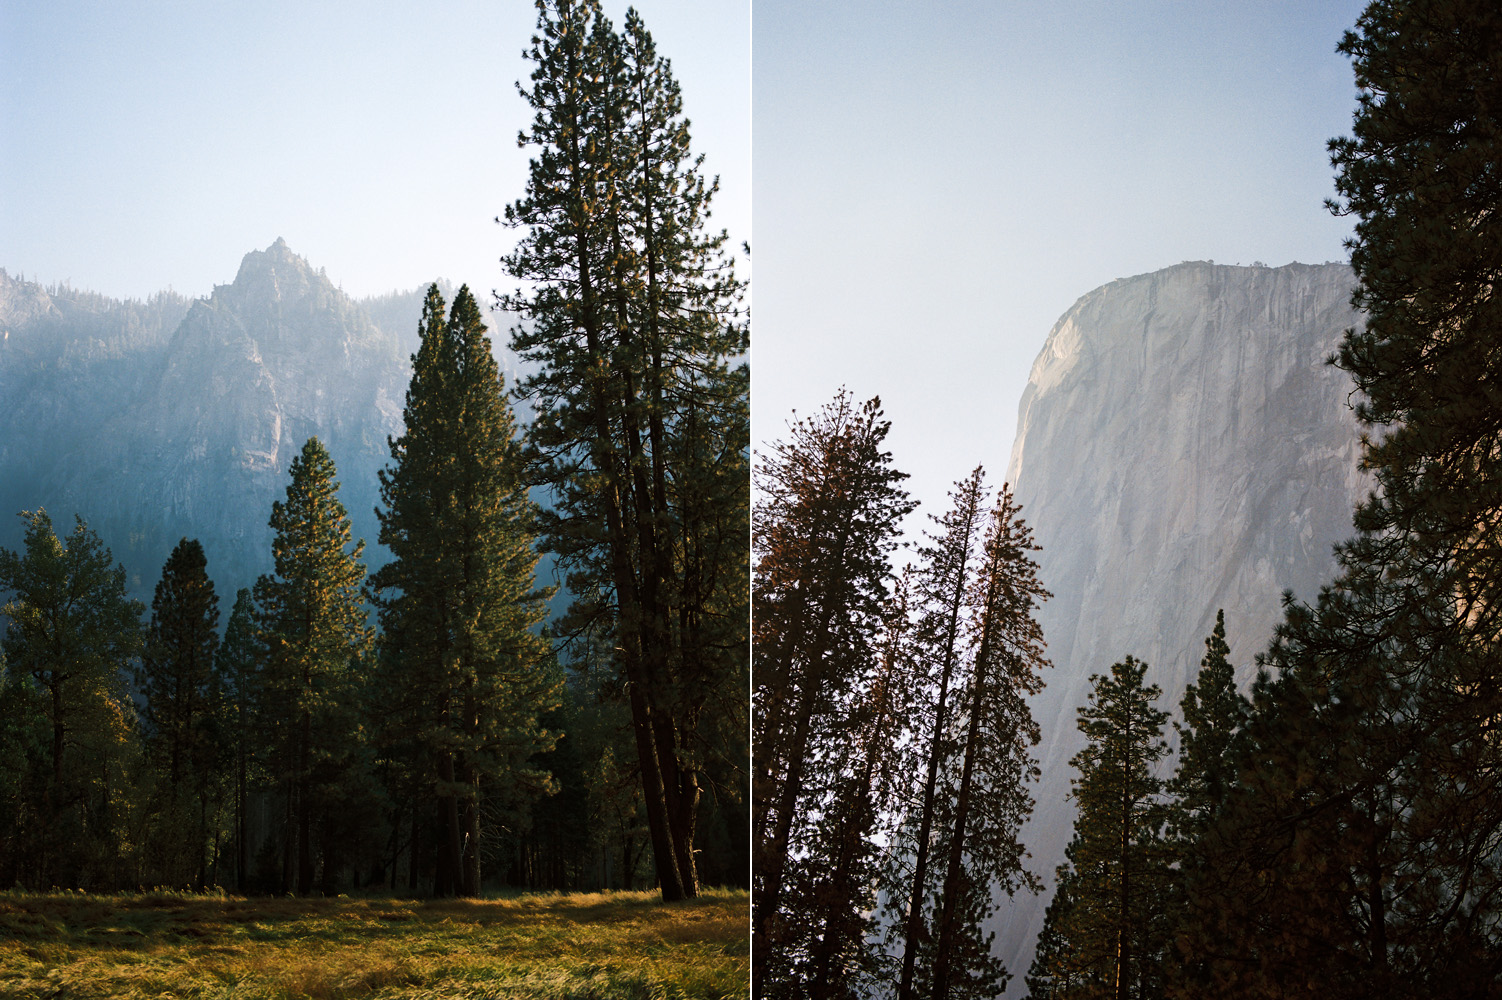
x,y
531,947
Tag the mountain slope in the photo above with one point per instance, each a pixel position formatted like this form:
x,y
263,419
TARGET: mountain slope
x,y
177,418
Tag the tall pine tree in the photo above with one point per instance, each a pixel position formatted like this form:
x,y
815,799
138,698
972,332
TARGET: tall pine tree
x,y
176,678
942,584
635,330
73,632
1361,853
828,513
312,624
239,666
1108,936
464,663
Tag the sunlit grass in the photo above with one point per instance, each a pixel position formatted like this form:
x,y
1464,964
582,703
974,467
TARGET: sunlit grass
x,y
597,945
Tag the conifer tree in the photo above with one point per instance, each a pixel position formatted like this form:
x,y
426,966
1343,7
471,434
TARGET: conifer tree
x,y
464,662
238,663
826,950
312,625
1213,714
990,801
176,677
72,631
1361,853
981,655
829,509
1108,938
943,582
635,330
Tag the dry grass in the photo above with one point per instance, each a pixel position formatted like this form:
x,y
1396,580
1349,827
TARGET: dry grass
x,y
531,947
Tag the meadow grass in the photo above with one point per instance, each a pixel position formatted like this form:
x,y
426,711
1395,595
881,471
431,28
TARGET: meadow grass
x,y
535,946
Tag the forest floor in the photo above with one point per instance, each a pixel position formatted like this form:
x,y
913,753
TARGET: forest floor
x,y
536,946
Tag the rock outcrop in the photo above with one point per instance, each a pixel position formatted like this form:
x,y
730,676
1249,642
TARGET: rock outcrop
x,y
1181,447
176,417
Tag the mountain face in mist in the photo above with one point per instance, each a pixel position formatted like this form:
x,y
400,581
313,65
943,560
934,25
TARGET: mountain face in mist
x,y
1181,447
174,418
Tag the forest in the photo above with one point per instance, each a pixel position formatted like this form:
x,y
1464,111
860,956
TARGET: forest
x,y
427,728
1334,831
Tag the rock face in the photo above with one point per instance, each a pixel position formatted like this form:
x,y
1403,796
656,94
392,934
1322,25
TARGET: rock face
x,y
1181,447
172,418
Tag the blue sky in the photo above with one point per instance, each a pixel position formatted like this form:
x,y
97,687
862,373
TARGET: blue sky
x,y
153,144
935,184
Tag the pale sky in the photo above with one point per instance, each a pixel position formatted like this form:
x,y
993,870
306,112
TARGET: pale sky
x,y
935,184
153,144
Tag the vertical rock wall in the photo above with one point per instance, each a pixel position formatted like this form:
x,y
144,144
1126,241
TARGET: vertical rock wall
x,y
1181,447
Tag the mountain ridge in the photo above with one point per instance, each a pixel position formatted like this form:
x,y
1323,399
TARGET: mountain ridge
x,y
178,417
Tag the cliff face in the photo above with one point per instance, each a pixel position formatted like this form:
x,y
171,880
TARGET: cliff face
x,y
174,418
1181,447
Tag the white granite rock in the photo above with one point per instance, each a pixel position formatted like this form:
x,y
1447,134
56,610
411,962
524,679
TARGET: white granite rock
x,y
1181,447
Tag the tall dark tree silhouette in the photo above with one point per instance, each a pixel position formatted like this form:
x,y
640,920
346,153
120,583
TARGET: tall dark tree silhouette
x,y
828,512
177,679
1361,851
312,624
1108,934
73,633
465,669
633,324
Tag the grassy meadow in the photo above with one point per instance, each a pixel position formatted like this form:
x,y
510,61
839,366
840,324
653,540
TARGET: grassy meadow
x,y
170,944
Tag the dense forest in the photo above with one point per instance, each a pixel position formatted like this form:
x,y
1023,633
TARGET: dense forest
x,y
1336,830
428,728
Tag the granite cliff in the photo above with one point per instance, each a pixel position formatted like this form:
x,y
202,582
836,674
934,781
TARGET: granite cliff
x,y
177,417
1181,447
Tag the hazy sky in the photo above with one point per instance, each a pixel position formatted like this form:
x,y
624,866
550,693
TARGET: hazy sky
x,y
152,144
935,184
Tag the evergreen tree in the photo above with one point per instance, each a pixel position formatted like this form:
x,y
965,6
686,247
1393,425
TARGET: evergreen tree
x,y
826,523
635,332
980,654
72,632
1108,936
238,664
827,946
1361,851
1214,716
990,802
464,662
312,624
176,678
1054,974
943,582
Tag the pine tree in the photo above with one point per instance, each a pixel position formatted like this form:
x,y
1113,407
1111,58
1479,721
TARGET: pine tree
x,y
990,802
827,948
1361,852
238,664
1108,938
943,582
73,632
1214,715
176,677
830,505
635,331
464,660
312,624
